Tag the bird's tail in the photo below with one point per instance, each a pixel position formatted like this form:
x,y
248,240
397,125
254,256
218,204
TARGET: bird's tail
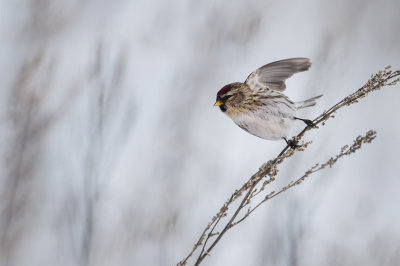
x,y
308,103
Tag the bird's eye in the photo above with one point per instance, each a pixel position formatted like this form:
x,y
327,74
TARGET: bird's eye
x,y
226,97
223,107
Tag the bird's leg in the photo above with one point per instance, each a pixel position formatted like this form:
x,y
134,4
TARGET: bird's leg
x,y
308,122
292,143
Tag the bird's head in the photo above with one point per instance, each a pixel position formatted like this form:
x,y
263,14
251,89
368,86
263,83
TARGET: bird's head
x,y
230,96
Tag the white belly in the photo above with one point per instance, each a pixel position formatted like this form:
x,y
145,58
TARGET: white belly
x,y
267,124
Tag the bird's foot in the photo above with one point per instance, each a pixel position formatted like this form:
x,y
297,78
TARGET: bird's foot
x,y
308,122
292,143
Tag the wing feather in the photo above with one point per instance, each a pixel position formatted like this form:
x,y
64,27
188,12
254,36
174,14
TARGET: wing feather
x,y
273,75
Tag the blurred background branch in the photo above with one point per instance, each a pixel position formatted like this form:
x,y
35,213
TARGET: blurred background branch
x,y
109,143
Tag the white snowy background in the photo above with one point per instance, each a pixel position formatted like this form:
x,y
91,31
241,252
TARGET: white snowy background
x,y
113,154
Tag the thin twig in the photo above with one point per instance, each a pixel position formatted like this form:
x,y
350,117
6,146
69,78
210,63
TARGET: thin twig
x,y
346,150
385,77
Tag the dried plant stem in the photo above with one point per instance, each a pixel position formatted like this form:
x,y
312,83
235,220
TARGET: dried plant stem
x,y
346,150
385,77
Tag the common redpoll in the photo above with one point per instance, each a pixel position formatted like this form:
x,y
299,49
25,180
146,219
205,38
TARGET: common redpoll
x,y
259,106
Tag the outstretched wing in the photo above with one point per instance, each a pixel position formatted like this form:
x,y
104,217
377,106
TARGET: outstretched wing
x,y
273,75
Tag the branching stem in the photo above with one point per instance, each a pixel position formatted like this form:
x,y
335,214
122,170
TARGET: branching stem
x,y
385,77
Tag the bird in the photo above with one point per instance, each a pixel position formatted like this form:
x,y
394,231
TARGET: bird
x,y
259,106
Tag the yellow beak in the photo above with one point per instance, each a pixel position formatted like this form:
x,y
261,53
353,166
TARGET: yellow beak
x,y
218,103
